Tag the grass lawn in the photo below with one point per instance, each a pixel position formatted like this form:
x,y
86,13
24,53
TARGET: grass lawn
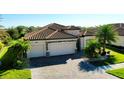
x,y
117,72
15,74
115,59
119,57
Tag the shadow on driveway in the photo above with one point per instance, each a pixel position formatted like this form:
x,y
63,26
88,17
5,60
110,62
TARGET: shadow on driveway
x,y
86,66
54,60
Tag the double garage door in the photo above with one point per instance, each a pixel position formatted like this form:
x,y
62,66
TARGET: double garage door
x,y
61,48
54,49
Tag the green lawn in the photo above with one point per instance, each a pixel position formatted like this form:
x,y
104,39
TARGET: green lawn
x,y
117,72
15,74
115,58
119,57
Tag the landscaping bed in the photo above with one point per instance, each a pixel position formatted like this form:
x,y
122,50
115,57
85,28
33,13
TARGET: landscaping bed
x,y
115,58
117,72
15,74
98,62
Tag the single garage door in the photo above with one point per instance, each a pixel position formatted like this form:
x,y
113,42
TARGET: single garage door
x,y
61,48
36,51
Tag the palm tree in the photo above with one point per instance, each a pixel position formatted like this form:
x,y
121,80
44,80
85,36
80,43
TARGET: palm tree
x,y
106,35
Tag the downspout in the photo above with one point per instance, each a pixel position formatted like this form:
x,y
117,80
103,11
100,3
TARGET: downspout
x,y
47,53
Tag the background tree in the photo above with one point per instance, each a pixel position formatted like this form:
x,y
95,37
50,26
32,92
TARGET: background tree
x,y
4,36
13,32
32,28
22,30
106,34
17,32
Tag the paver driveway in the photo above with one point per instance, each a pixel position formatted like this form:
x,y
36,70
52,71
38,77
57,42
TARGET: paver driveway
x,y
66,67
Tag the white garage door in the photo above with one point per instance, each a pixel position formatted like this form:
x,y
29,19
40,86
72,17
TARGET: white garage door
x,y
61,48
36,51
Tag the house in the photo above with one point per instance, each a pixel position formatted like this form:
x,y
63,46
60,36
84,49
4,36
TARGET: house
x,y
120,30
52,40
91,34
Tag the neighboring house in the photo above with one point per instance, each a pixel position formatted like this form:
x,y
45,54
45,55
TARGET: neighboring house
x,y
52,40
120,30
91,34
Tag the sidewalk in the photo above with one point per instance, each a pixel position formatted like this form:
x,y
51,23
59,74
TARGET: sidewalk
x,y
110,67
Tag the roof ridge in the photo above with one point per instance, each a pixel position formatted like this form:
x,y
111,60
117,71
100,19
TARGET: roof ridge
x,y
51,34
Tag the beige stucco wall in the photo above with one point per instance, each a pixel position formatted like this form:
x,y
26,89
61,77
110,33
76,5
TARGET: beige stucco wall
x,y
73,32
41,45
83,41
120,41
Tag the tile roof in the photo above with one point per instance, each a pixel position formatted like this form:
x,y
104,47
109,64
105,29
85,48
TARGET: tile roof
x,y
61,35
51,31
55,26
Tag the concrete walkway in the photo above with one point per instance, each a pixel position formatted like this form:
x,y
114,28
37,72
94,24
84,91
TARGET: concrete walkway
x,y
73,69
110,67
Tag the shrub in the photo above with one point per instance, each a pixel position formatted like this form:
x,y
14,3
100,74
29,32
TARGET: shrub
x,y
8,58
91,48
103,61
21,64
15,57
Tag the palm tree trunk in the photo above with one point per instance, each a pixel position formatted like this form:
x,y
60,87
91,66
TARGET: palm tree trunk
x,y
104,45
104,42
